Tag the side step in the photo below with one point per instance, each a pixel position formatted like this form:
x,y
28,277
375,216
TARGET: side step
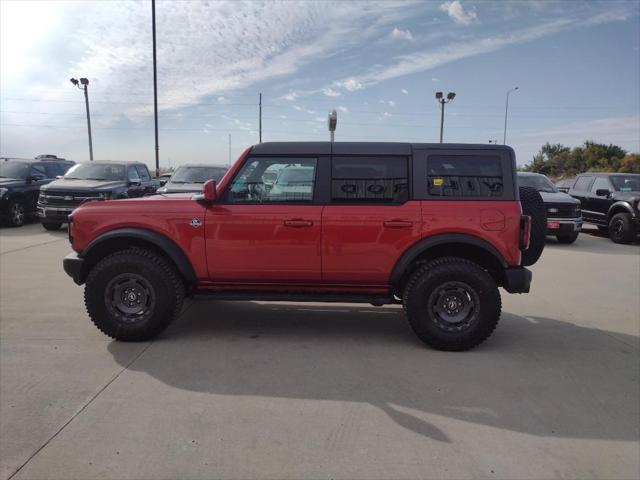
x,y
374,299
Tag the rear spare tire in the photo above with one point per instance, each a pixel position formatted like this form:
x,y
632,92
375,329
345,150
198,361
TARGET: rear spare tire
x,y
533,206
133,294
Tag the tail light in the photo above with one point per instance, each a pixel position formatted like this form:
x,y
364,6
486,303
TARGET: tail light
x,y
525,232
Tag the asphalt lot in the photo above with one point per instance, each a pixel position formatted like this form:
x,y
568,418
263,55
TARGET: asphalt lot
x,y
253,390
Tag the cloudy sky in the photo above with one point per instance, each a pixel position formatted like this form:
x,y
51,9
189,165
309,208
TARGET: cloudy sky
x,y
577,66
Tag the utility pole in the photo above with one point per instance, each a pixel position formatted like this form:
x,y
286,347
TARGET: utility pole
x,y
260,116
155,84
506,110
85,83
442,101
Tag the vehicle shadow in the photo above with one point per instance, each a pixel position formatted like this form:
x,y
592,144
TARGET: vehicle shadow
x,y
538,376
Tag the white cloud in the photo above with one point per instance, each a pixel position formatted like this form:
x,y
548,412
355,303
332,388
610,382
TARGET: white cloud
x,y
343,109
458,14
435,80
350,84
330,92
391,103
387,114
398,34
291,96
405,91
221,99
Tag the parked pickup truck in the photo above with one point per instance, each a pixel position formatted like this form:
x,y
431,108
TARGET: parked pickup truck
x,y
610,201
434,227
90,181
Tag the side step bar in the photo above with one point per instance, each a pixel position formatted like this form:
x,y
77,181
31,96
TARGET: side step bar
x,y
374,299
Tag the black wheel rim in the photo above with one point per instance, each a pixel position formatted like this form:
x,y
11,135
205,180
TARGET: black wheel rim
x,y
17,213
130,298
454,306
617,228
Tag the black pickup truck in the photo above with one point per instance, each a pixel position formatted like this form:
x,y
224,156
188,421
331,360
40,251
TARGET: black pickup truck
x,y
610,201
92,180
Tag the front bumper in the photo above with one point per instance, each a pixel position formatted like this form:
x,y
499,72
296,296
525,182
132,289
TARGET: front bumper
x,y
517,280
53,214
73,266
563,226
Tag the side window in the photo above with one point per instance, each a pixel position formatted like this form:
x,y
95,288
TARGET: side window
x,y
132,174
63,167
52,170
600,183
143,173
39,171
274,179
582,184
461,176
369,179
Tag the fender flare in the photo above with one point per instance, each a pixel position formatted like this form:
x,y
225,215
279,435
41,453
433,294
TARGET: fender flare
x,y
620,204
421,246
168,246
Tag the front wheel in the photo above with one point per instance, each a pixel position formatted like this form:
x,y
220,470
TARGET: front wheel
x,y
452,304
621,228
133,294
17,213
567,239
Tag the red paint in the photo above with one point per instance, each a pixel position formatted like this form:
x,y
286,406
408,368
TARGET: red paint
x,y
553,225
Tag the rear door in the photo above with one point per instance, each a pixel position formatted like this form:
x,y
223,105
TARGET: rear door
x,y
369,220
135,187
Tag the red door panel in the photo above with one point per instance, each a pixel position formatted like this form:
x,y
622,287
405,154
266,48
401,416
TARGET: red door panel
x,y
263,243
361,243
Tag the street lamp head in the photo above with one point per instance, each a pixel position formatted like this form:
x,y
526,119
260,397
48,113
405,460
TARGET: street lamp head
x,y
74,81
438,95
451,95
84,81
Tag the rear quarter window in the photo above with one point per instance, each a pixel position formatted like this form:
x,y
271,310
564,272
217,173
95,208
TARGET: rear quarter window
x,y
465,176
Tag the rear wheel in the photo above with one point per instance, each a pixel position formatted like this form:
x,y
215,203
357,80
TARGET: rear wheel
x,y
452,304
133,294
567,239
51,225
621,228
17,213
533,206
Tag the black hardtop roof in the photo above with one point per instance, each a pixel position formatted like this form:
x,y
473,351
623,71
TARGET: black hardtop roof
x,y
362,148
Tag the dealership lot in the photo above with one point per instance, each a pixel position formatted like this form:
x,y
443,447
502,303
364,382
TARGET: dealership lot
x,y
315,390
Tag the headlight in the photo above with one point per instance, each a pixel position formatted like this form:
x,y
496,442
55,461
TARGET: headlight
x,y
162,190
3,191
104,195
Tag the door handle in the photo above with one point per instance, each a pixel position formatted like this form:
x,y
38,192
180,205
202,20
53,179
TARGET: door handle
x,y
397,224
298,223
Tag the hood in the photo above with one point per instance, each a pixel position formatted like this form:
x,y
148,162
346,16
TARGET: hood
x,y
625,196
81,185
182,187
11,182
558,197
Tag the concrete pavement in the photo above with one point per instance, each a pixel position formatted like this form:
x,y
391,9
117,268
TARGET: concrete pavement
x,y
258,390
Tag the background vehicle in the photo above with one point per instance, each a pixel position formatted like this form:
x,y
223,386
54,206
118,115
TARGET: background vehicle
x,y
610,201
89,181
163,178
190,178
564,218
20,183
435,227
565,184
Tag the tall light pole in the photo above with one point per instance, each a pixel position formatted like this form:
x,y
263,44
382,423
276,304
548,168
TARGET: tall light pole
x,y
332,123
260,118
440,98
85,83
155,84
506,110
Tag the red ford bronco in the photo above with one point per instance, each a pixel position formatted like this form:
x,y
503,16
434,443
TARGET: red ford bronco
x,y
434,227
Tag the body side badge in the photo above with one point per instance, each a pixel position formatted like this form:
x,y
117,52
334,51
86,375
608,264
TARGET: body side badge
x,y
195,222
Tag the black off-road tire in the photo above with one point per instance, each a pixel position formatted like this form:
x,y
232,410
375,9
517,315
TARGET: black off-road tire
x,y
533,206
621,228
430,284
17,213
153,274
567,239
51,225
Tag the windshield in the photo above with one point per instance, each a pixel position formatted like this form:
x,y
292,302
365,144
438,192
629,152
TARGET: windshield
x,y
539,182
14,169
96,171
197,174
626,183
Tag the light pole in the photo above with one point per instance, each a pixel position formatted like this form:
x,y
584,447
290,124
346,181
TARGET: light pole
x,y
332,123
85,83
155,84
506,110
443,101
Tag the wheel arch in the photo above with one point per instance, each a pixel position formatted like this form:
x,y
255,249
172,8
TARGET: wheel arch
x,y
448,245
619,207
121,238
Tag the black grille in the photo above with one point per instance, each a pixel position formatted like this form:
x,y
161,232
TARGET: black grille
x,y
65,198
562,210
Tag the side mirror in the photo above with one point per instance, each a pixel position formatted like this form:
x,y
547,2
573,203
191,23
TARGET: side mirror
x,y
209,194
34,178
134,183
603,192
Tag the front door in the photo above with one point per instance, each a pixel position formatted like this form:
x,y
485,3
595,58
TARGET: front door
x,y
266,228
